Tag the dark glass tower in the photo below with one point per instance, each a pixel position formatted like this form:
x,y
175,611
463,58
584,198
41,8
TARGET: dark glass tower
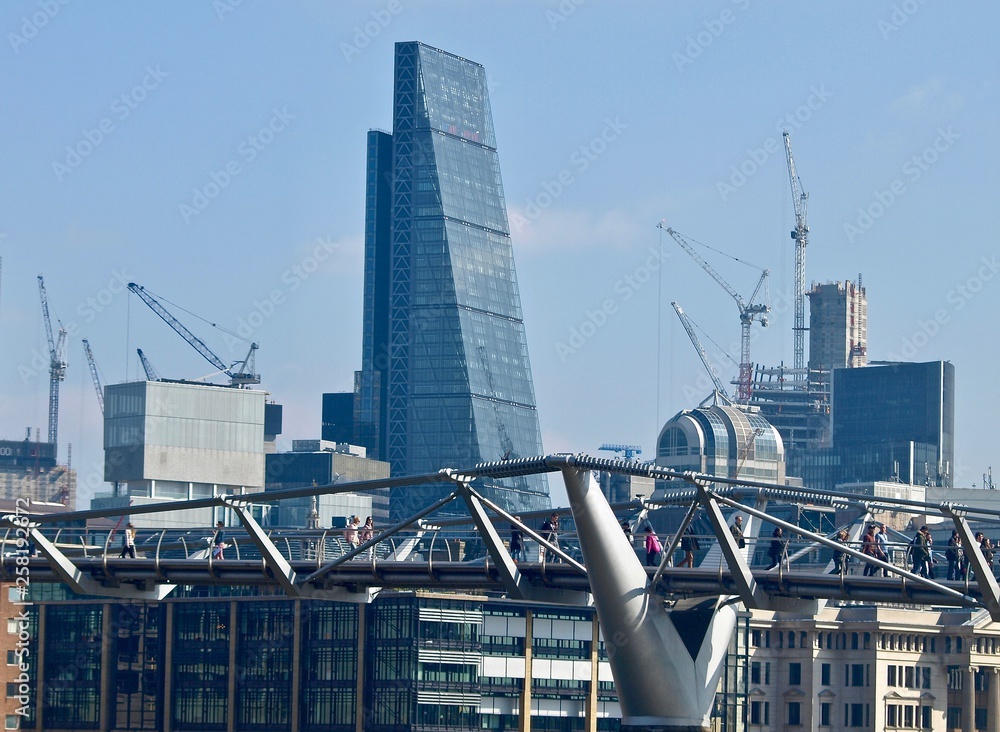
x,y
445,379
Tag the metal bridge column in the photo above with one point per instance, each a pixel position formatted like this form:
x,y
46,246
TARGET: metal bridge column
x,y
666,663
982,571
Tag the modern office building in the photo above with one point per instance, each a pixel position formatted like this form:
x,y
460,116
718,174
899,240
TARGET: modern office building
x,y
896,421
404,663
167,440
445,377
318,462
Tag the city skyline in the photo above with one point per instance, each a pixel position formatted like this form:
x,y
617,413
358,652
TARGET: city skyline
x,y
215,157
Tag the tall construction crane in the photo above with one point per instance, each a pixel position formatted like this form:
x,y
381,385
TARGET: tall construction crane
x,y
800,200
749,311
151,374
57,363
688,326
241,377
93,374
629,451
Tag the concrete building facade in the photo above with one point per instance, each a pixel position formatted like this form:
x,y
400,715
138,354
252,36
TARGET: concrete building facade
x,y
874,668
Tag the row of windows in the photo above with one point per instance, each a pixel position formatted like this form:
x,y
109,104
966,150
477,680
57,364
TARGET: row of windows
x,y
855,674
910,677
908,716
863,641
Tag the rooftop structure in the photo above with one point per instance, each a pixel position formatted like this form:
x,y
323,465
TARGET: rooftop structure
x,y
722,440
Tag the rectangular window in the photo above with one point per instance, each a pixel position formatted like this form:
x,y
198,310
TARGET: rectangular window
x,y
11,625
794,713
925,677
857,675
955,678
824,673
11,658
767,673
954,718
908,716
11,689
892,715
12,721
755,672
856,715
825,714
908,677
795,674
925,717
890,676
756,712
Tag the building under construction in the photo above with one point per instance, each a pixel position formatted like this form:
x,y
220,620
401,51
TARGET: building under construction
x,y
28,470
797,401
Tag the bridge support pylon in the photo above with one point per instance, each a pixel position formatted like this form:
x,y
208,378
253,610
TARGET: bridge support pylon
x,y
666,662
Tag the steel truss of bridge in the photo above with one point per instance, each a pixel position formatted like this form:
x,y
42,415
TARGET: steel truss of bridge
x,y
420,552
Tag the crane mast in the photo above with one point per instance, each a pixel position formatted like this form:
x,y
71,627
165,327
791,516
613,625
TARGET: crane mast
x,y
696,342
57,362
151,374
748,313
93,374
800,200
238,378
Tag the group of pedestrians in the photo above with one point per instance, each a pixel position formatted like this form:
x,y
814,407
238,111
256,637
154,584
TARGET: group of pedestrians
x,y
958,555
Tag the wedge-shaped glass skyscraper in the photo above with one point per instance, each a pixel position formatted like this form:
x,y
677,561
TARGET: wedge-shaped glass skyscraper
x,y
445,378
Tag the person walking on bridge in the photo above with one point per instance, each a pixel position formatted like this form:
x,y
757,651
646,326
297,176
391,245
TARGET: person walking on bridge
x,y
839,557
954,555
779,546
128,542
869,547
920,551
653,548
219,540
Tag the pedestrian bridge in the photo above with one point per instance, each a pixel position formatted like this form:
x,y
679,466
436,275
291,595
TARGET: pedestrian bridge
x,y
671,624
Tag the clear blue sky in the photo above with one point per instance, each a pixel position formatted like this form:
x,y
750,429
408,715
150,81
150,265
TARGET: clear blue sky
x,y
216,155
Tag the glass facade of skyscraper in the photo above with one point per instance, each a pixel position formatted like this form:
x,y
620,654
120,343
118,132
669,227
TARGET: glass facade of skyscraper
x,y
445,377
896,420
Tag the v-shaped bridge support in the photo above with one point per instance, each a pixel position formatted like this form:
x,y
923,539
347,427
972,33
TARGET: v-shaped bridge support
x,y
666,662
